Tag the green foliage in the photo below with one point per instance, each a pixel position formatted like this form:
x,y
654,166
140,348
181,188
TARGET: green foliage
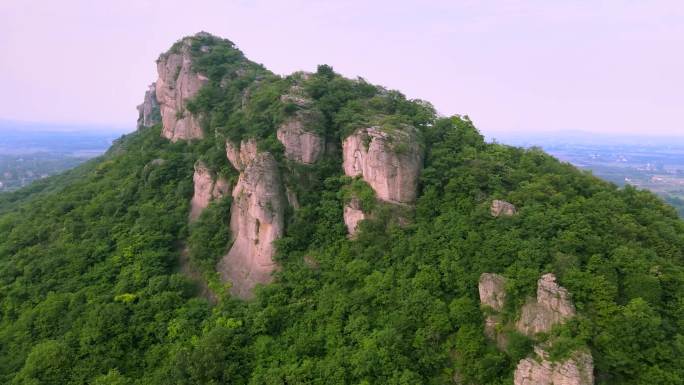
x,y
90,290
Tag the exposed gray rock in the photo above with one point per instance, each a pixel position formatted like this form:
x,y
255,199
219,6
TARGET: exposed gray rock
x,y
257,219
176,84
502,208
576,370
148,111
551,307
388,160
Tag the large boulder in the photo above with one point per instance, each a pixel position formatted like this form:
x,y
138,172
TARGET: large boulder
x,y
578,369
207,187
257,219
177,83
148,111
388,160
551,307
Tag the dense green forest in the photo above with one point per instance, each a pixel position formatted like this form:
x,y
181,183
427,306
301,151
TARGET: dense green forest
x,y
91,290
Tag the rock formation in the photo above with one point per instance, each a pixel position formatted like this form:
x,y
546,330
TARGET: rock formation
x,y
257,219
301,146
207,188
176,84
353,215
148,111
493,294
492,290
388,160
504,208
552,306
576,370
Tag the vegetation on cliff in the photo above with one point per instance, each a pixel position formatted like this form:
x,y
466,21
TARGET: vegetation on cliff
x,y
90,289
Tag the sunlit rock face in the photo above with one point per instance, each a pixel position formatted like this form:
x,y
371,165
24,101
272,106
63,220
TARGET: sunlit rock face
x,y
552,306
177,83
388,160
207,188
502,208
578,369
148,111
257,219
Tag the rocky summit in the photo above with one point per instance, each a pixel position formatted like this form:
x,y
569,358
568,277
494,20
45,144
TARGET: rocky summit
x,y
315,229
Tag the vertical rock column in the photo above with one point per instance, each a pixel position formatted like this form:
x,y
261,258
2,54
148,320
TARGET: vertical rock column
x,y
257,219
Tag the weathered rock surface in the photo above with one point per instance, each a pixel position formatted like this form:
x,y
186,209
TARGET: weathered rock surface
x,y
493,294
552,306
148,111
492,290
257,219
240,156
301,146
176,84
389,161
502,208
576,370
353,215
207,188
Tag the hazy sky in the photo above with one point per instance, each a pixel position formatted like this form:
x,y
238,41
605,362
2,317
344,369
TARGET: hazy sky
x,y
602,66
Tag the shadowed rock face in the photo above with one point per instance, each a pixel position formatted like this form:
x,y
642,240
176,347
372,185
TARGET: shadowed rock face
x,y
176,84
257,219
353,215
576,370
389,162
207,188
502,208
148,111
552,306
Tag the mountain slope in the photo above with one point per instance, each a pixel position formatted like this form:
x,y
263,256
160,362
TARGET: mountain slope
x,y
91,289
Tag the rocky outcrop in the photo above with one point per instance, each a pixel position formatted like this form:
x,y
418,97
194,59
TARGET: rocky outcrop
x,y
207,188
257,219
493,295
575,370
502,208
353,215
176,84
301,146
388,160
148,111
492,290
551,307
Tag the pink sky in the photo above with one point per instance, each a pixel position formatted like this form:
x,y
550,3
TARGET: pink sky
x,y
601,66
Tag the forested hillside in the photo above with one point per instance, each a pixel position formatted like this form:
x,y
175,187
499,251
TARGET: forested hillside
x,y
94,289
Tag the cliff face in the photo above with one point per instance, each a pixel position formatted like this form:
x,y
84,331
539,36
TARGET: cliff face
x,y
576,370
502,208
206,188
301,146
552,306
389,162
353,215
257,219
148,111
176,84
